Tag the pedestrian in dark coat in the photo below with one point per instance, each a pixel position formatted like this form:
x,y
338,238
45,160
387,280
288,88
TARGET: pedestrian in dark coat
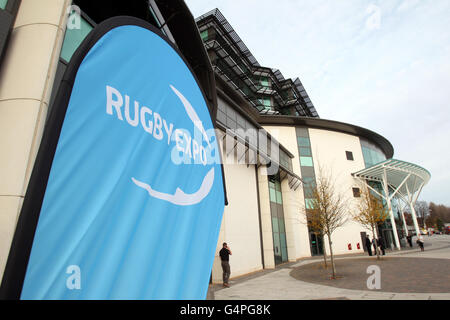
x,y
225,257
420,241
374,243
409,239
368,245
381,245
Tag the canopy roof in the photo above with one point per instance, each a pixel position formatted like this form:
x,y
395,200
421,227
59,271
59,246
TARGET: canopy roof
x,y
403,176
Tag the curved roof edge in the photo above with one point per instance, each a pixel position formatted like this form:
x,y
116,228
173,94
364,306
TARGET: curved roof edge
x,y
382,142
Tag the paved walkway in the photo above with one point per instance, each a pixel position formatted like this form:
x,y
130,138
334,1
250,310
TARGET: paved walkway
x,y
280,284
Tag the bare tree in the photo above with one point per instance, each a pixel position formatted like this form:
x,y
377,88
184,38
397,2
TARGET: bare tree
x,y
422,211
315,226
327,208
370,212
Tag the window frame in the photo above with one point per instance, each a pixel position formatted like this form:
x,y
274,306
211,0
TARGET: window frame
x,y
349,155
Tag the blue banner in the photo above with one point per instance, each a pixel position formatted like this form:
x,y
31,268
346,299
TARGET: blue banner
x,y
135,195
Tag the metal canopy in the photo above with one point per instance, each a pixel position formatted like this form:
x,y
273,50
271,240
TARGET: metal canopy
x,y
400,175
398,179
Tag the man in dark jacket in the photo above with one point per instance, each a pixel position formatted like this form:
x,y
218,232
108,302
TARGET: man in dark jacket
x,y
409,238
369,245
381,245
225,257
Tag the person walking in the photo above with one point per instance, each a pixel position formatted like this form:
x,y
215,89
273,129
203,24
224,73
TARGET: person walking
x,y
381,245
409,238
368,245
374,243
225,257
420,241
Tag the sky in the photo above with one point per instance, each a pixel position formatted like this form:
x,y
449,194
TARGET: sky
x,y
382,65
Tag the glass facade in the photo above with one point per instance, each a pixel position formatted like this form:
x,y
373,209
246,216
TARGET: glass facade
x,y
232,60
371,153
263,81
309,181
277,215
204,35
231,119
266,103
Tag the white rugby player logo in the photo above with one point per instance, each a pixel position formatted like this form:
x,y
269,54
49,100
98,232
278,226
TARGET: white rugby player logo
x,y
180,197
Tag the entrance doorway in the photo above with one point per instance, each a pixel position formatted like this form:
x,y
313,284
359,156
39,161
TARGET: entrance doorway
x,y
316,244
278,226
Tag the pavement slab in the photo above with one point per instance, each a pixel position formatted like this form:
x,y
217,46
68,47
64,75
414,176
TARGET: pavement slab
x,y
409,275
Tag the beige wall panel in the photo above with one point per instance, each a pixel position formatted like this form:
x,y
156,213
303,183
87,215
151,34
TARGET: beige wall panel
x,y
328,149
26,78
8,219
25,68
295,222
18,122
288,138
40,11
240,225
266,218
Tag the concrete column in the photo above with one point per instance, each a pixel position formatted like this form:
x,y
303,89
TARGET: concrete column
x,y
404,223
394,227
292,219
26,79
391,213
414,217
266,219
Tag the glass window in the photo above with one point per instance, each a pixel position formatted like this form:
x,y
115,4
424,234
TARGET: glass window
x,y
279,197
306,161
356,192
308,188
367,156
266,102
281,225
221,117
303,142
231,123
3,4
204,35
73,39
309,203
305,151
283,240
275,224
277,186
276,242
349,155
284,252
264,81
273,196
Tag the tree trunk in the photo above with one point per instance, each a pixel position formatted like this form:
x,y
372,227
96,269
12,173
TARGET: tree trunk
x,y
376,241
324,254
333,267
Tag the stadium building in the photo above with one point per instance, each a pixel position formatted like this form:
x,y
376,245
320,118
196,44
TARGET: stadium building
x,y
274,144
